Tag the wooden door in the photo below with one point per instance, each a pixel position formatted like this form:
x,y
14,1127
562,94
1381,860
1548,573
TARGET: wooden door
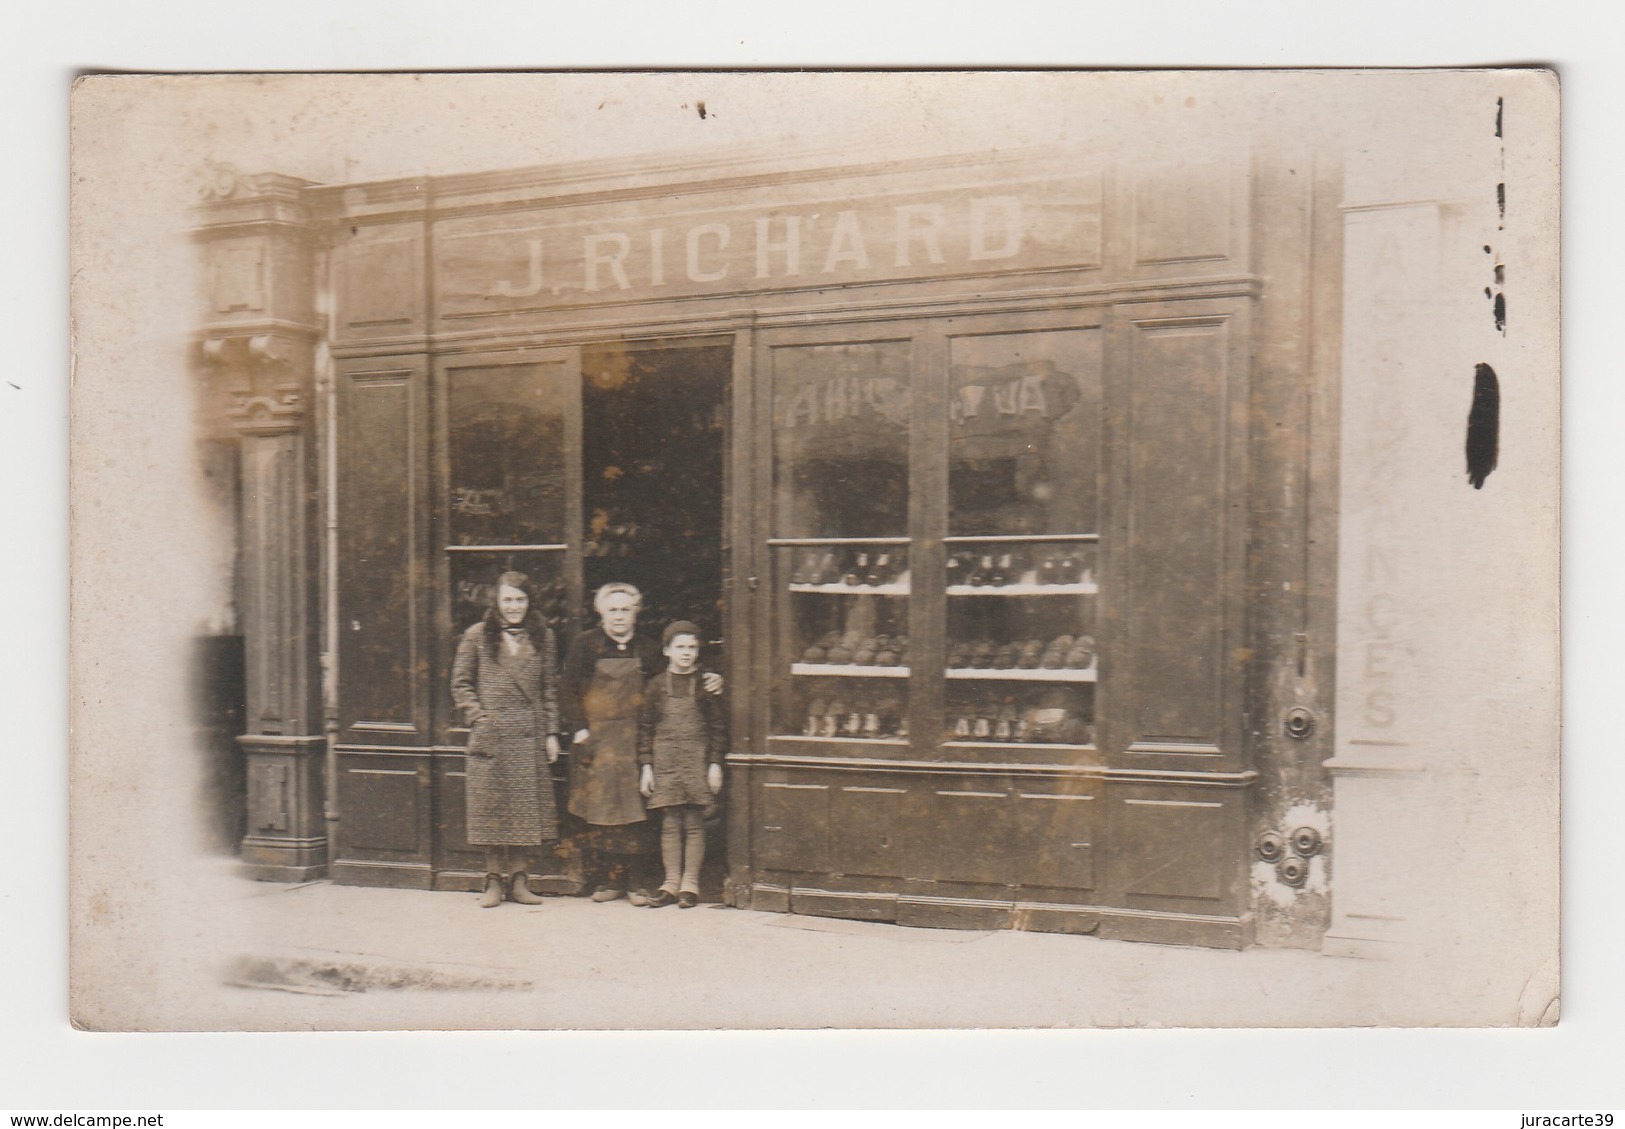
x,y
384,665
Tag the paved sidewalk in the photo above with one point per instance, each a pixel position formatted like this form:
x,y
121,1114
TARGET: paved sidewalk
x,y
326,957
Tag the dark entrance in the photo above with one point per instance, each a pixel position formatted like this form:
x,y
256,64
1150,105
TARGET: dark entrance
x,y
654,428
654,431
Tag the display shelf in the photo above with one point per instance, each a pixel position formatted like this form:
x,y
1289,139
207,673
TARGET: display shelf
x,y
1025,588
898,587
1018,675
895,742
1018,538
1018,746
850,670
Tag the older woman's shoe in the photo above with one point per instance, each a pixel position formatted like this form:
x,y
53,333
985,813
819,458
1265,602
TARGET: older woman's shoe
x,y
492,897
661,898
607,894
519,890
686,900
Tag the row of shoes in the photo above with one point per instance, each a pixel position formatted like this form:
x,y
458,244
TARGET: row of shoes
x,y
642,898
836,718
1064,652
854,649
1025,725
854,568
1049,565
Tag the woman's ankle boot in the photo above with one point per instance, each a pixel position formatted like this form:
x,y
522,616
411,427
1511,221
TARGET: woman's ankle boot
x,y
492,897
519,890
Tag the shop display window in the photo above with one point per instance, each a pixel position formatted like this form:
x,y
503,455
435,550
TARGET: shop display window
x,y
841,418
840,440
844,640
1010,645
1022,563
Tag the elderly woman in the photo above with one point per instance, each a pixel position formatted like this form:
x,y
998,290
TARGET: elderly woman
x,y
602,699
505,680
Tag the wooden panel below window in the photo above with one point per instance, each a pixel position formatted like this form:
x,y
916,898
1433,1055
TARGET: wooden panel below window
x,y
866,829
1055,836
384,808
1179,848
792,832
966,833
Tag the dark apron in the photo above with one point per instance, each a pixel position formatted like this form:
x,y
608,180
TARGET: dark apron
x,y
679,750
604,774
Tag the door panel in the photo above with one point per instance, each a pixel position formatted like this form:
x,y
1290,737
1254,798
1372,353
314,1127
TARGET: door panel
x,y
382,531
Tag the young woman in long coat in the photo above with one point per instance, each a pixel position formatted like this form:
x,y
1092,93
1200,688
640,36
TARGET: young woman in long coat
x,y
505,680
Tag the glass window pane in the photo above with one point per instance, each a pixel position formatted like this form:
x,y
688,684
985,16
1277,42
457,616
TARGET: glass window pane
x,y
1024,461
840,440
1024,450
506,439
842,642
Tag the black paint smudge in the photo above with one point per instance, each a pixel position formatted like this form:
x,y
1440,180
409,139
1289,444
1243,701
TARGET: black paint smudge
x,y
1500,313
1483,426
700,106
1501,200
1500,104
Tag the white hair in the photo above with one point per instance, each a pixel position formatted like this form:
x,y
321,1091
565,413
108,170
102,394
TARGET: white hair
x,y
616,588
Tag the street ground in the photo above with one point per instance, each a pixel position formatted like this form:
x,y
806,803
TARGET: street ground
x,y
316,956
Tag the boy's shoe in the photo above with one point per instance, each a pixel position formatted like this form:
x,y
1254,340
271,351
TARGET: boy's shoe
x,y
638,897
607,894
661,898
685,900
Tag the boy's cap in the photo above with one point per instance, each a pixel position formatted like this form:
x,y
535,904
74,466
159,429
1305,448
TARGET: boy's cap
x,y
681,627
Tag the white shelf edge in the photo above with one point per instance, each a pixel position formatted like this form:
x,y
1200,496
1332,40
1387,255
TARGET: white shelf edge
x,y
991,743
850,670
853,589
1017,675
1083,588
895,742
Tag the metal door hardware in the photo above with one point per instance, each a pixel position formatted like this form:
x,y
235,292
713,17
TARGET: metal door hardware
x,y
1306,842
1300,722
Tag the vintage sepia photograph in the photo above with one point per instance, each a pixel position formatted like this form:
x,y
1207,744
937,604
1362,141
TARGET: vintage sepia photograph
x,y
767,550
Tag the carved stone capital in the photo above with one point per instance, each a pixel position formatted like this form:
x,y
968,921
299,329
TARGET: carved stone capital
x,y
266,378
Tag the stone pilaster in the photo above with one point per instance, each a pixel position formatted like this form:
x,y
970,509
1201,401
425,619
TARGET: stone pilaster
x,y
257,361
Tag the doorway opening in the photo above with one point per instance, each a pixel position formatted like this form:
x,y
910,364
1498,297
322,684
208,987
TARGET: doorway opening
x,y
654,433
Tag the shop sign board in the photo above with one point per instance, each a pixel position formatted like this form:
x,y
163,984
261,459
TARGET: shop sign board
x,y
785,236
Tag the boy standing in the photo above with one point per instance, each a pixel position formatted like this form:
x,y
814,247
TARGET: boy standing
x,y
681,740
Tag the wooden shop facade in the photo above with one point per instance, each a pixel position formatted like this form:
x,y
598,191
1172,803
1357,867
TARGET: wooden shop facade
x,y
1004,487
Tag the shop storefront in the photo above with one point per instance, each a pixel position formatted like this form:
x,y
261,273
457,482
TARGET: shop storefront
x,y
1003,487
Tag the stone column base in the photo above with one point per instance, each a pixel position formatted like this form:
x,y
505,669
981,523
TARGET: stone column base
x,y
287,828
